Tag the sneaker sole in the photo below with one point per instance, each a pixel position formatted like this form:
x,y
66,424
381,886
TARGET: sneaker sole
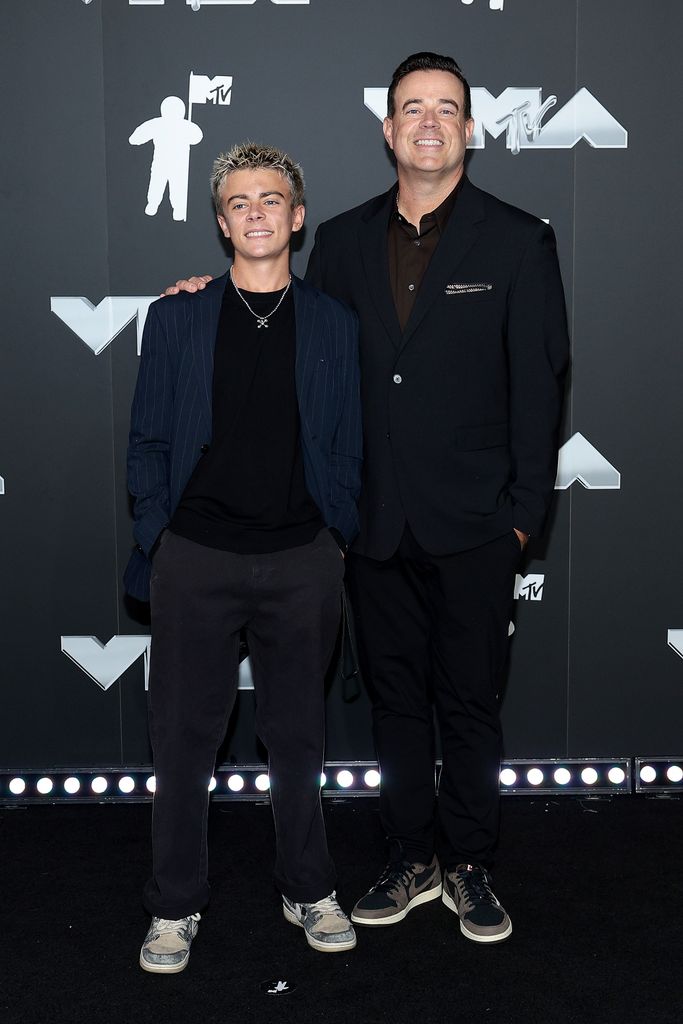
x,y
474,936
322,947
164,968
422,897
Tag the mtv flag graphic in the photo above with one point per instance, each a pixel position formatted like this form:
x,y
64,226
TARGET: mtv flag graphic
x,y
579,460
529,588
172,136
520,113
97,326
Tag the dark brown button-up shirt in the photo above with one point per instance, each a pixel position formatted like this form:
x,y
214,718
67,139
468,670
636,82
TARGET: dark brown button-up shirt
x,y
411,249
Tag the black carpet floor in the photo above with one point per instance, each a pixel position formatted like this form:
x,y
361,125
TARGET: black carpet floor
x,y
593,888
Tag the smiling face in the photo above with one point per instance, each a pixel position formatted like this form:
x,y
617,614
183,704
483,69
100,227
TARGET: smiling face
x,y
428,131
257,215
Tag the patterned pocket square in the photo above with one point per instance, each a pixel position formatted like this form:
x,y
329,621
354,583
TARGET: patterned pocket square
x,y
468,287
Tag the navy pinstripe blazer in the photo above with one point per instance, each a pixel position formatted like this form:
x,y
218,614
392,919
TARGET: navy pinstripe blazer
x,y
171,418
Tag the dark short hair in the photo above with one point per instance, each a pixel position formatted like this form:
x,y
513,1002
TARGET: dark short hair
x,y
428,62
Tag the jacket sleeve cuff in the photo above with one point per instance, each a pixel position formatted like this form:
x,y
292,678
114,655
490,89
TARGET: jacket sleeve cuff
x,y
340,539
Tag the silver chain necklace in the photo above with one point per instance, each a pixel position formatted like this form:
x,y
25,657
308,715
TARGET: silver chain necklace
x,y
261,321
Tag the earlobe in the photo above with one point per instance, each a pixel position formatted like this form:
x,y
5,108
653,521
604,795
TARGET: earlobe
x,y
469,129
388,129
298,217
222,223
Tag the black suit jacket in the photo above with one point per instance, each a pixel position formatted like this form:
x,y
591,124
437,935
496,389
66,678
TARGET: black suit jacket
x,y
171,418
461,409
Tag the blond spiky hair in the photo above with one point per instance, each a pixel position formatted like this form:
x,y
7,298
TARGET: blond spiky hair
x,y
253,156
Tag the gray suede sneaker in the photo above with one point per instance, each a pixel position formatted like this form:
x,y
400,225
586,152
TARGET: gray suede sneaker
x,y
166,949
326,925
400,887
467,892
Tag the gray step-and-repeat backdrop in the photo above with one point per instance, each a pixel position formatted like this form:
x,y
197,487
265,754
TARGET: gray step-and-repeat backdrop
x,y
114,111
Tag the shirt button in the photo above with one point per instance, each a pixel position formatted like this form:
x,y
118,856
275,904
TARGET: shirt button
x,y
397,378
411,287
417,241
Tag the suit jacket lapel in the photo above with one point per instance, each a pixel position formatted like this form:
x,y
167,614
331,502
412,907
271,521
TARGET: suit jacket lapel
x,y
461,232
374,247
206,314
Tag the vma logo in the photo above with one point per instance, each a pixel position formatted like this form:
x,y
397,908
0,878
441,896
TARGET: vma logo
x,y
674,639
579,460
172,135
97,326
520,113
529,588
105,663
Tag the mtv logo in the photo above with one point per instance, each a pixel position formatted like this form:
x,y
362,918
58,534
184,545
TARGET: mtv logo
x,y
674,638
210,90
105,663
97,326
529,588
579,460
519,112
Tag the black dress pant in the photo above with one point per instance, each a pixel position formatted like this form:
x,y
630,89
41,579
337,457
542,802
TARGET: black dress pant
x,y
289,603
432,631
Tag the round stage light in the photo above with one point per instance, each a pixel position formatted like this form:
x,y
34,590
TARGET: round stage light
x,y
72,785
344,779
212,784
616,775
126,784
262,783
371,778
589,776
648,773
674,773
323,779
562,776
235,783
151,784
508,776
99,784
534,776
45,786
17,786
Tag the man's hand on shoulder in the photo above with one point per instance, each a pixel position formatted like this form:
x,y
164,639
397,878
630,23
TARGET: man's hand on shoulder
x,y
190,284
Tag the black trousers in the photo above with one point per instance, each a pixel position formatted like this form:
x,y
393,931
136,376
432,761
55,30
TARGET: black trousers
x,y
289,603
432,631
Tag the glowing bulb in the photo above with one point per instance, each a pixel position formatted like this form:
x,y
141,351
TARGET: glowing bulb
x,y
235,783
262,783
17,786
508,776
562,776
44,785
126,784
616,775
344,778
151,784
99,784
674,773
72,785
589,776
534,776
371,778
323,779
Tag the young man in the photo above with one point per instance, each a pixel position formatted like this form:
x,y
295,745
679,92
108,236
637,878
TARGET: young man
x,y
464,347
244,462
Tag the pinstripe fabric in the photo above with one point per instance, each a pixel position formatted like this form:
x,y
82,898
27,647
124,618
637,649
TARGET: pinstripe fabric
x,y
171,415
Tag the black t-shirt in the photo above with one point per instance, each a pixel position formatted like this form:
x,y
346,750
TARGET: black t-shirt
x,y
248,492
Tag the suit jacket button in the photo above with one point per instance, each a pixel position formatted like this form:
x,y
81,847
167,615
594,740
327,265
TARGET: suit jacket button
x,y
397,378
204,449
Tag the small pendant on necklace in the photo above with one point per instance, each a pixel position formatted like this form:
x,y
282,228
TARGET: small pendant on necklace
x,y
262,322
